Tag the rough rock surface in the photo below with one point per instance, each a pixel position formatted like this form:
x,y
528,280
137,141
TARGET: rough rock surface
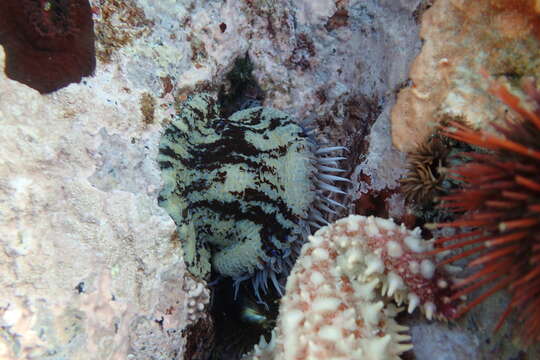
x,y
462,39
87,260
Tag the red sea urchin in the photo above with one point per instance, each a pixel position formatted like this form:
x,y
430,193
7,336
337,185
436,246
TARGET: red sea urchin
x,y
499,205
49,43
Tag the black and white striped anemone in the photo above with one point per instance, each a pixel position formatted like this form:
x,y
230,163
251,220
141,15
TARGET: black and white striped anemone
x,y
246,191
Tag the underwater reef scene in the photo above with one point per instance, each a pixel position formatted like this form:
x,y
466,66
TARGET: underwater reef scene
x,y
269,180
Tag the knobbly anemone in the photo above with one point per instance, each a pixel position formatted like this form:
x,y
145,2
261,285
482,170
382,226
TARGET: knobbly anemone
x,y
244,191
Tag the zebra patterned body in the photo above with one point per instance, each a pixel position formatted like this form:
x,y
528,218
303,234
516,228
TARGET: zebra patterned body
x,y
239,189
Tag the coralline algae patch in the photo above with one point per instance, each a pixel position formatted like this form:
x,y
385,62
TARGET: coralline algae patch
x,y
337,305
462,39
244,190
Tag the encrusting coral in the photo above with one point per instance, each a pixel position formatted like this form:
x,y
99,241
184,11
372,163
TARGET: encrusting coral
x,y
244,191
49,44
337,302
498,206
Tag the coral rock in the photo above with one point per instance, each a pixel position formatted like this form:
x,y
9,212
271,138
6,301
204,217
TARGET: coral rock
x,y
461,39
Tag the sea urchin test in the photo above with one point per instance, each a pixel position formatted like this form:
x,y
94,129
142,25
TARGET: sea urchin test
x,y
244,191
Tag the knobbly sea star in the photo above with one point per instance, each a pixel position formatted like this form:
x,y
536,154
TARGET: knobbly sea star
x,y
338,297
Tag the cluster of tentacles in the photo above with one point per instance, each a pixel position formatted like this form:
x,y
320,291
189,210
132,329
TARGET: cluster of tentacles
x,y
326,166
323,208
498,208
425,175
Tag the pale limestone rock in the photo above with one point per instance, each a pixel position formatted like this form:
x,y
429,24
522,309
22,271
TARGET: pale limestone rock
x,y
72,240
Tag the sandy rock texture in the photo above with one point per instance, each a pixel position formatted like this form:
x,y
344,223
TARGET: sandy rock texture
x,y
88,260
88,266
462,39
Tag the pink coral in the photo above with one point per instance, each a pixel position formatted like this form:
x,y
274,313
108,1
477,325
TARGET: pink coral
x,y
335,305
